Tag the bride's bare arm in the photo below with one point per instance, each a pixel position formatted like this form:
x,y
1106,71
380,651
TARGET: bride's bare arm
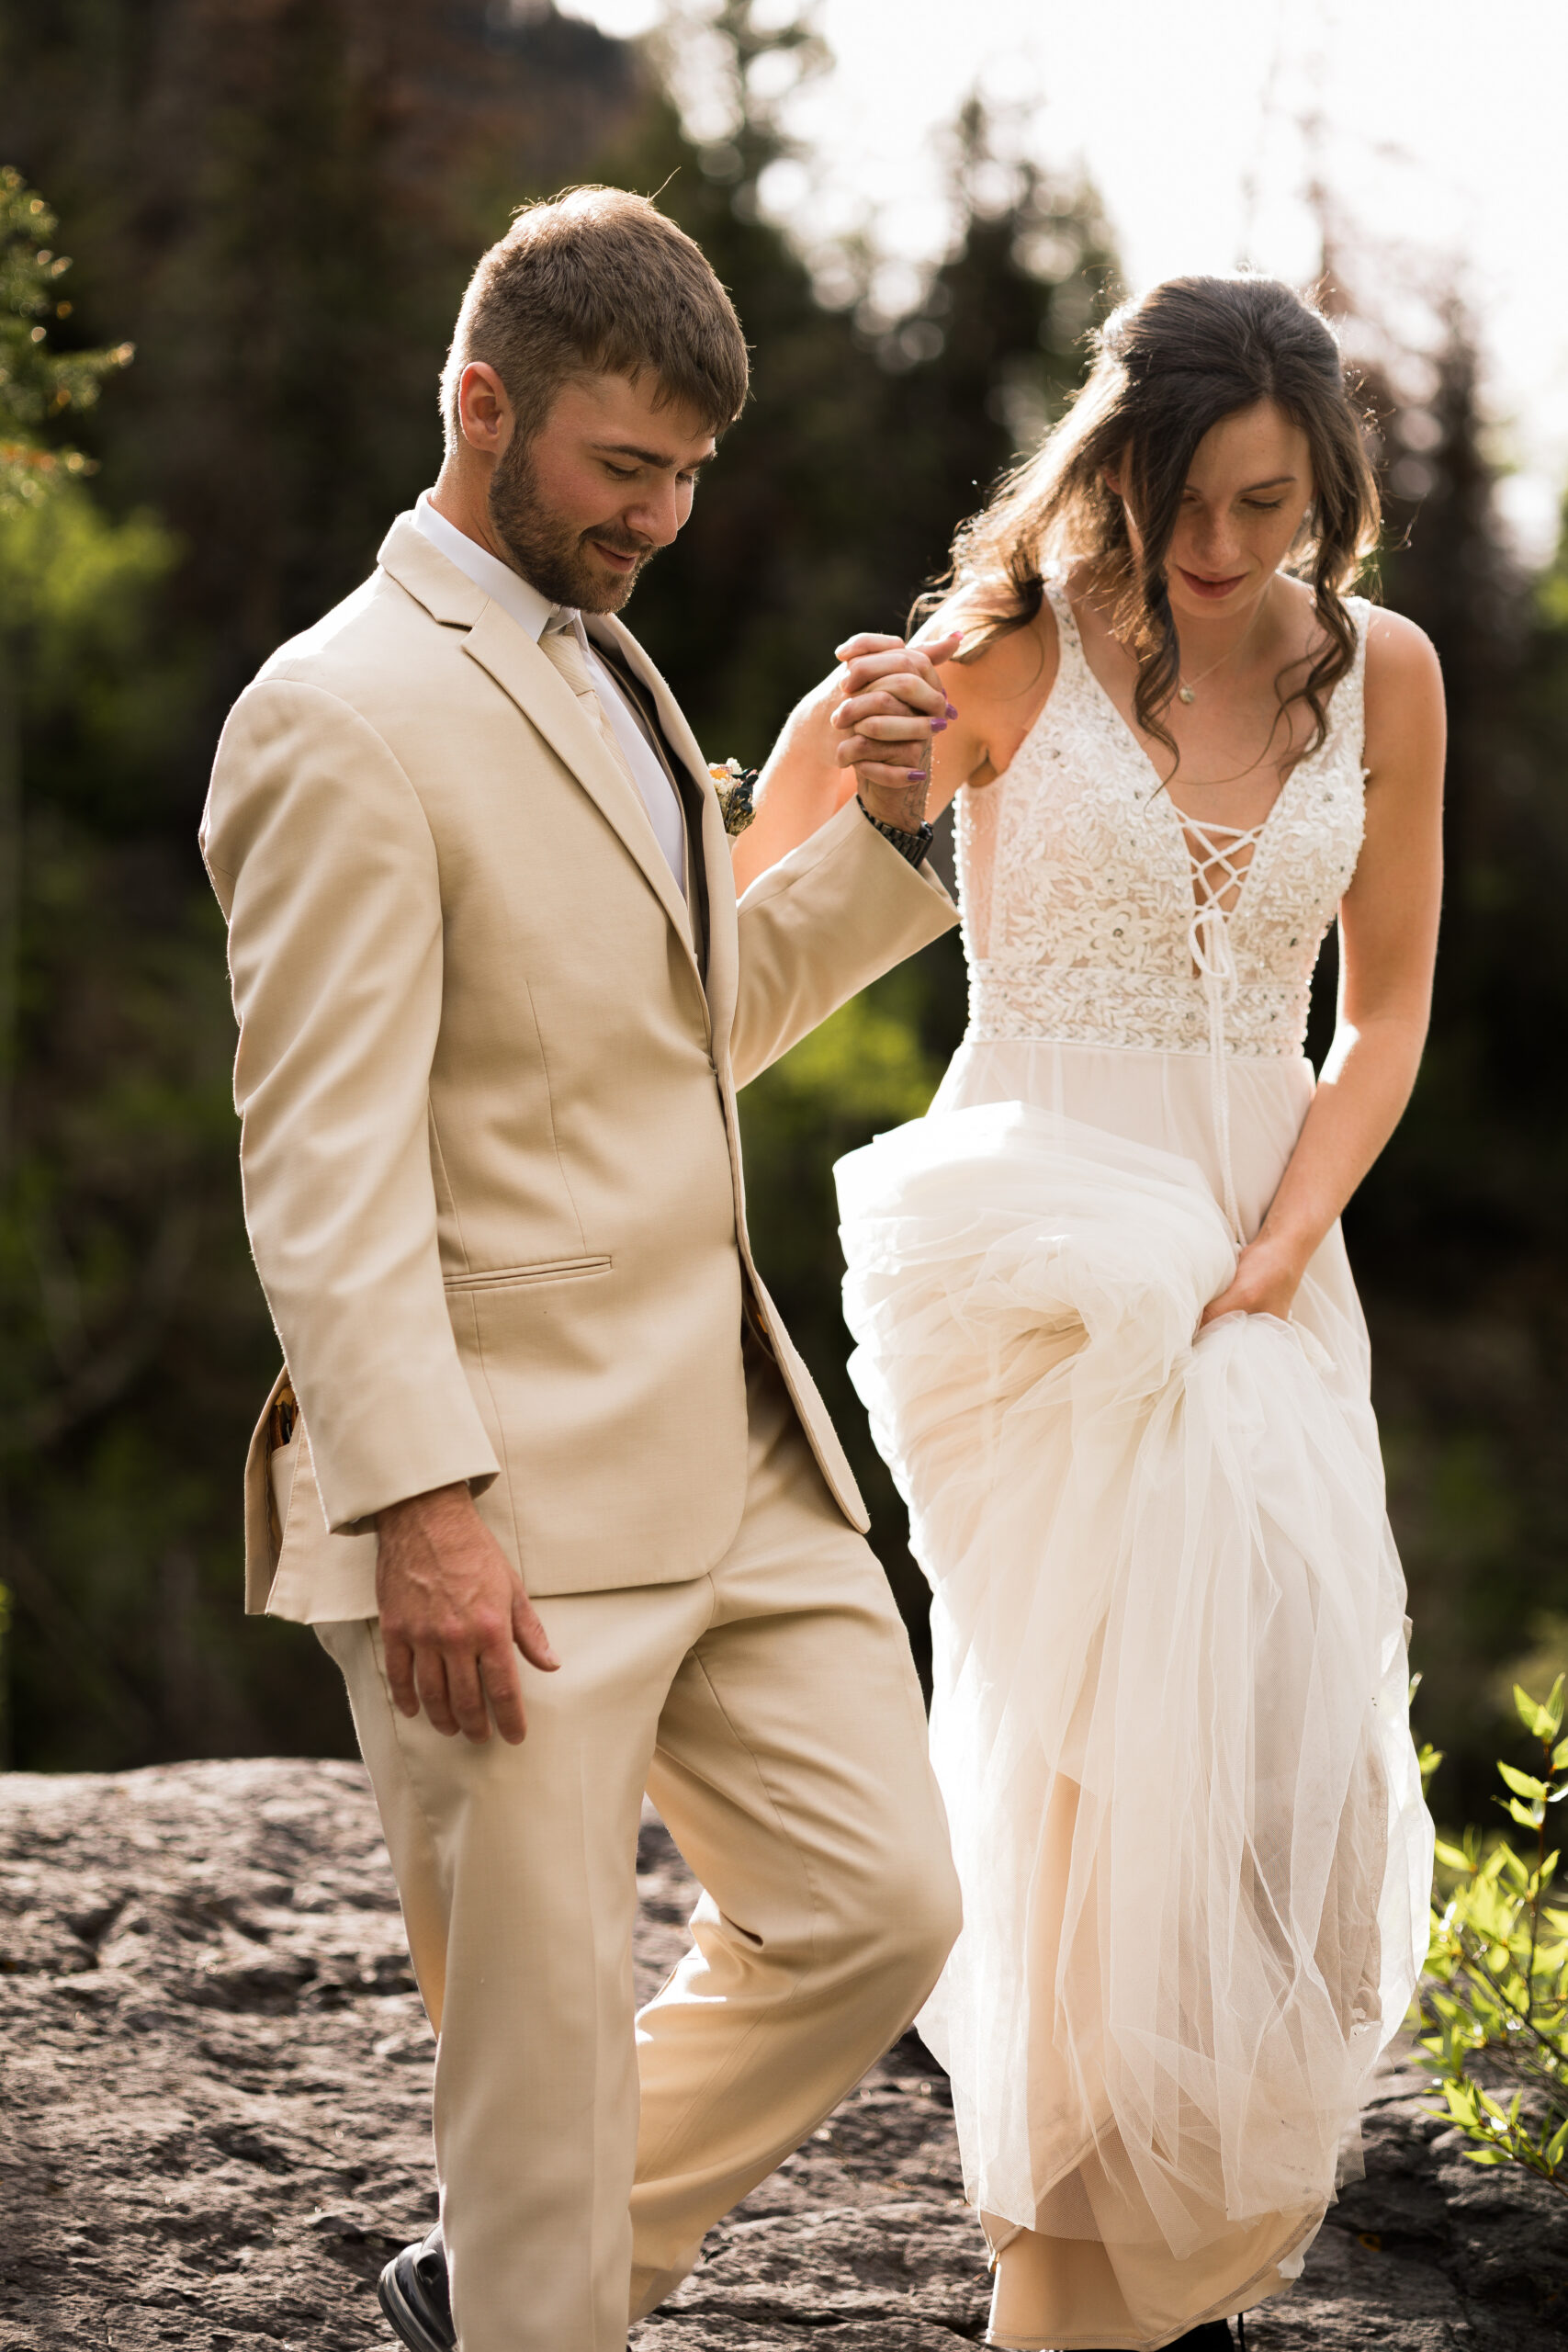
x,y
1388,944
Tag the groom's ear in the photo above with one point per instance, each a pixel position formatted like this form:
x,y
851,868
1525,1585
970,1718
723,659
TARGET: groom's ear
x,y
485,413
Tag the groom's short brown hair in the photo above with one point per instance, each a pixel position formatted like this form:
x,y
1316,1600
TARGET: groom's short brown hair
x,y
598,280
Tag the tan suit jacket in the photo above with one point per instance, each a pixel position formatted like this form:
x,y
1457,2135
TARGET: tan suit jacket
x,y
487,1080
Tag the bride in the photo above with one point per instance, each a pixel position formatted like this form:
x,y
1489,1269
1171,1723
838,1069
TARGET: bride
x,y
1107,1335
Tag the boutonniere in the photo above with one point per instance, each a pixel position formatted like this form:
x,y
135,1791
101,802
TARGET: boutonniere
x,y
735,786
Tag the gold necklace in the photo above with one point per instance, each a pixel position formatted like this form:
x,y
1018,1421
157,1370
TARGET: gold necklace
x,y
1187,689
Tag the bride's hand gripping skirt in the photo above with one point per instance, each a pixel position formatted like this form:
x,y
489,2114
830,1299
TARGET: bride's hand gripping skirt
x,y
1170,1718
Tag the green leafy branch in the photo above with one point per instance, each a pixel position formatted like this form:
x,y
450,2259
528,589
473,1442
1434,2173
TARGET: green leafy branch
x,y
38,384
1496,1984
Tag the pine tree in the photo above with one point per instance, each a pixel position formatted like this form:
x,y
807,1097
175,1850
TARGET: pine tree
x,y
39,384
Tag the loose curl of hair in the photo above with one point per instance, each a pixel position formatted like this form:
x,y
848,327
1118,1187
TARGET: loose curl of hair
x,y
1167,369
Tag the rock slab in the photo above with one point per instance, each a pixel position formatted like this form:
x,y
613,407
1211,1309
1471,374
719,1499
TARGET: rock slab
x,y
214,2086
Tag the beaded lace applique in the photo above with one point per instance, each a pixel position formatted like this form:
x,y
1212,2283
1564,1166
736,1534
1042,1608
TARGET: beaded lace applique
x,y
1076,876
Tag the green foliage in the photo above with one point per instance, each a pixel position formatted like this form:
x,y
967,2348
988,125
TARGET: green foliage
x,y
116,1128
38,384
99,692
1495,1995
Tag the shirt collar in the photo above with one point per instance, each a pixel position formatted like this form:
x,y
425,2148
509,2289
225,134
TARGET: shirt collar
x,y
505,587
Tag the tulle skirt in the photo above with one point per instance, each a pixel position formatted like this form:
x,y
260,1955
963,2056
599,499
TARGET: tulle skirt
x,y
1170,1717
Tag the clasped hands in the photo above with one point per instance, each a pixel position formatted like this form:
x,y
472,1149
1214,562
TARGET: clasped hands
x,y
892,705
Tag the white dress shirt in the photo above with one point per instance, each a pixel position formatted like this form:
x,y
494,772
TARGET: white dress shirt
x,y
534,613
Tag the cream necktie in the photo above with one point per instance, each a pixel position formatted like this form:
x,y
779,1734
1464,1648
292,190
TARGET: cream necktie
x,y
563,648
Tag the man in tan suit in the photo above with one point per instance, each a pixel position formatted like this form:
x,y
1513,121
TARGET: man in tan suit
x,y
496,998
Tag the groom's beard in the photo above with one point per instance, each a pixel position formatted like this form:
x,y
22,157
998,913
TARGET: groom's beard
x,y
553,558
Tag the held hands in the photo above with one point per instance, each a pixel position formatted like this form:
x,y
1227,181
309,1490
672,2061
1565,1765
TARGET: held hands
x,y
454,1616
1267,1277
866,728
893,706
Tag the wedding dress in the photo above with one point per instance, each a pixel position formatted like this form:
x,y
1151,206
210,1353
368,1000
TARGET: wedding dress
x,y
1170,1713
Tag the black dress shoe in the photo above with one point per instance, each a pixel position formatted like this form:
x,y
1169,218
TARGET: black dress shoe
x,y
415,2296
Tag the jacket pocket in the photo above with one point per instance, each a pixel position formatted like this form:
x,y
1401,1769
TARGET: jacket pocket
x,y
546,1270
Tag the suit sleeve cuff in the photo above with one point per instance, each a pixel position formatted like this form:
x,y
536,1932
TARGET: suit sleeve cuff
x,y
912,845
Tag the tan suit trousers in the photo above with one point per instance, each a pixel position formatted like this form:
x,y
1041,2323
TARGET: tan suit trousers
x,y
772,1710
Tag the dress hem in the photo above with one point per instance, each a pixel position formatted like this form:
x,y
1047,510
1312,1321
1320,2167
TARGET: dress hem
x,y
1229,2306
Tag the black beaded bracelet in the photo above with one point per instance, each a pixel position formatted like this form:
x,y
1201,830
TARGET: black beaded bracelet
x,y
911,846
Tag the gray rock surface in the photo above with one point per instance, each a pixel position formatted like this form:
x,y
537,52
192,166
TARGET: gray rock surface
x,y
214,2074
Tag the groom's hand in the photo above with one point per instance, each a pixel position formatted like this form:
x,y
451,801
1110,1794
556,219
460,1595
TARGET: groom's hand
x,y
454,1616
893,706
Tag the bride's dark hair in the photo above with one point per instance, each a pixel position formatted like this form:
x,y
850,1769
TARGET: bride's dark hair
x,y
1167,367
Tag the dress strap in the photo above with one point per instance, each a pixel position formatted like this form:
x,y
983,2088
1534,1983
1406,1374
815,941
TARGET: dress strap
x,y
1348,711
1073,657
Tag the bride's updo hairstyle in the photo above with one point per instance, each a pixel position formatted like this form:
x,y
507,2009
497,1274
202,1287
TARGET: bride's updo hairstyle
x,y
1167,367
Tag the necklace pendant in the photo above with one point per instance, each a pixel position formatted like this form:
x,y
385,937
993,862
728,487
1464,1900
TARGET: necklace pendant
x,y
1185,694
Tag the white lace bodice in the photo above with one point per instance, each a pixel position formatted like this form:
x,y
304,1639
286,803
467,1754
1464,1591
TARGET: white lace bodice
x,y
1077,878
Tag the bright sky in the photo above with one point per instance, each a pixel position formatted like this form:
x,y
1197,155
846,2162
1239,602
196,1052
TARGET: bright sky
x,y
1440,128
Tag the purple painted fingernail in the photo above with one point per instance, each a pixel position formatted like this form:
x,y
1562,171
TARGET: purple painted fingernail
x,y
953,710
916,775
937,726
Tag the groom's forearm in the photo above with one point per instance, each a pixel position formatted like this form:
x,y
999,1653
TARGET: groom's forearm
x,y
819,926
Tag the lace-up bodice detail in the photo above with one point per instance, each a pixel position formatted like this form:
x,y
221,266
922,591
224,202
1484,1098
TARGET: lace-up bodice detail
x,y
1095,914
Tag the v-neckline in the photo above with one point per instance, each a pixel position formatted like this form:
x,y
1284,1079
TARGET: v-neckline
x,y
1061,604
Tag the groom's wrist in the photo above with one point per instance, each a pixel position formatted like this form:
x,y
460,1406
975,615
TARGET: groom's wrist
x,y
911,837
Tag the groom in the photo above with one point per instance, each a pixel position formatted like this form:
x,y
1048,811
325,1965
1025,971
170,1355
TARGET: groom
x,y
496,998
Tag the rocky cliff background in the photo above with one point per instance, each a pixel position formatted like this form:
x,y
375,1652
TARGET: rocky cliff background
x,y
215,2076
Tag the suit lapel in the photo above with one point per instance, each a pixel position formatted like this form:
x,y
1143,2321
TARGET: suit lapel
x,y
510,656
518,667
723,943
